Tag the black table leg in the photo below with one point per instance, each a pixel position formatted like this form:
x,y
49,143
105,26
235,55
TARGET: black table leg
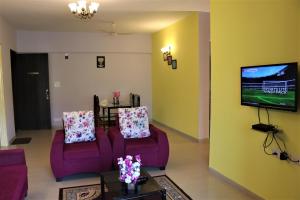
x,y
103,111
102,188
103,117
163,194
108,114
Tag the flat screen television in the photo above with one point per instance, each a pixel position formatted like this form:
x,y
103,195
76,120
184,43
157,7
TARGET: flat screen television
x,y
270,86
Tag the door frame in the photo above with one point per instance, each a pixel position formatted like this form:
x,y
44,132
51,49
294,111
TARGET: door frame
x,y
3,126
12,83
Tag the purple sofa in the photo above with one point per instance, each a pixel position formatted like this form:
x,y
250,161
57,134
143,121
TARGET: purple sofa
x,y
13,173
82,157
154,150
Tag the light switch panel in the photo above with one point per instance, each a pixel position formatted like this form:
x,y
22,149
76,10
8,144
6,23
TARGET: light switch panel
x,y
57,84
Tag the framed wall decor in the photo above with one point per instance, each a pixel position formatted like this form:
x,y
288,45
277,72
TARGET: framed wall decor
x,y
169,58
174,64
100,61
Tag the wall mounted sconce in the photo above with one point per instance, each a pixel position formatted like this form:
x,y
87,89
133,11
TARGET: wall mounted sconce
x,y
166,52
166,49
167,55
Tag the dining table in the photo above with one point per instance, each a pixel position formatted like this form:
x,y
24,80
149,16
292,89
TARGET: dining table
x,y
112,106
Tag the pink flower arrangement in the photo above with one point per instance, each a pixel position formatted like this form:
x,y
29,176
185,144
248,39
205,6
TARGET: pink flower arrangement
x,y
129,170
116,94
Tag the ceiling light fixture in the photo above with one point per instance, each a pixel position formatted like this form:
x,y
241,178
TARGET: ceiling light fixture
x,y
82,10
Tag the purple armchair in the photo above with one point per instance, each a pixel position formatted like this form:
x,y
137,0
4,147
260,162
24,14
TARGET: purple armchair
x,y
83,157
154,150
13,173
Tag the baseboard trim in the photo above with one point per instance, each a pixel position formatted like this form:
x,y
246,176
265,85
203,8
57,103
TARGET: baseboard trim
x,y
235,184
181,133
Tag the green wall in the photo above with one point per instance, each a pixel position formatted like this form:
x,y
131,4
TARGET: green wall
x,y
252,32
176,92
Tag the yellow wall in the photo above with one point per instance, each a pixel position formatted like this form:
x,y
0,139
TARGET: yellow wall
x,y
176,92
252,32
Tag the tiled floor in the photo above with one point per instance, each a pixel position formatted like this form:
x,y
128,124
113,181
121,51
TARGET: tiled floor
x,y
187,167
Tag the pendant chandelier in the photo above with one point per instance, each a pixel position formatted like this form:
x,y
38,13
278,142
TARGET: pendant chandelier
x,y
82,10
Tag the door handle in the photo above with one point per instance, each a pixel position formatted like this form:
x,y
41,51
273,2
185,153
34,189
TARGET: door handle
x,y
47,94
33,73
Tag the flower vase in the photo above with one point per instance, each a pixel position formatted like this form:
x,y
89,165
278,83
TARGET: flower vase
x,y
116,101
130,186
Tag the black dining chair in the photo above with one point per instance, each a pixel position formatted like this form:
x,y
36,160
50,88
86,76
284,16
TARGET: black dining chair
x,y
135,100
96,111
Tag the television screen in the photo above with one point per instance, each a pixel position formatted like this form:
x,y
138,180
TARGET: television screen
x,y
270,86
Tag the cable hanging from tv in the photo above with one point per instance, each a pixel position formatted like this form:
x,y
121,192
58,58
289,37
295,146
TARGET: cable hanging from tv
x,y
271,137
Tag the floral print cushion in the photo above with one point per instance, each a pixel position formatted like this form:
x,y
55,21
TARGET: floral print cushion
x,y
134,122
79,126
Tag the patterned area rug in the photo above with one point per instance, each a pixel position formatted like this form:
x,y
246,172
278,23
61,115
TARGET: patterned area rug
x,y
92,192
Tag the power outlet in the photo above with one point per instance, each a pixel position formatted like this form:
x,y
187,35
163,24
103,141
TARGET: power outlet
x,y
284,156
276,152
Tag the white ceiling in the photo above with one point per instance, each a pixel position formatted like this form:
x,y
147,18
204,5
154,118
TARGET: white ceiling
x,y
130,16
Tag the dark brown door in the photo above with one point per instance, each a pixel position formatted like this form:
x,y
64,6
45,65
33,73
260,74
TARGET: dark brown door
x,y
30,78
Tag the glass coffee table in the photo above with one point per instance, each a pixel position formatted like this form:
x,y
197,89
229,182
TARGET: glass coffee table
x,y
116,190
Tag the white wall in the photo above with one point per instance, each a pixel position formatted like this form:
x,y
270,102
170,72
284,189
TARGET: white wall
x,y
204,47
128,67
53,42
7,125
